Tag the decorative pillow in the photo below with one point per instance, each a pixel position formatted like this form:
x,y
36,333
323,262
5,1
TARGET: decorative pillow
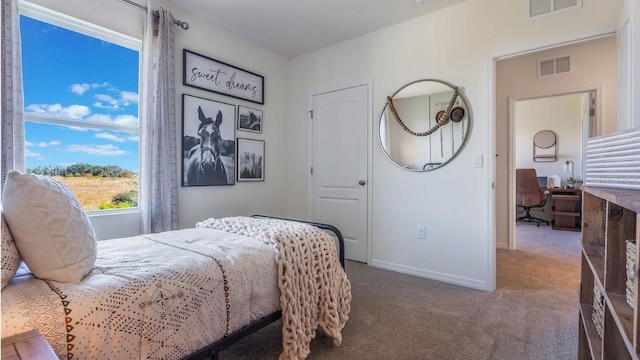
x,y
10,255
51,230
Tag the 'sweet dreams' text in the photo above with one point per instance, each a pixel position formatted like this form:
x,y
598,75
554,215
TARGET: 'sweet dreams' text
x,y
217,77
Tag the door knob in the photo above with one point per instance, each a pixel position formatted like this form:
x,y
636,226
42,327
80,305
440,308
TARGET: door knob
x,y
362,183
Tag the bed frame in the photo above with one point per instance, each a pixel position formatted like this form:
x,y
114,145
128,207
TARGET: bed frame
x,y
212,351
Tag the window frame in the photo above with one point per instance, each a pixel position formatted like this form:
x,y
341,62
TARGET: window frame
x,y
70,23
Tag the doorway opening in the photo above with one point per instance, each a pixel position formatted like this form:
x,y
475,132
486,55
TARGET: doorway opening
x,y
569,119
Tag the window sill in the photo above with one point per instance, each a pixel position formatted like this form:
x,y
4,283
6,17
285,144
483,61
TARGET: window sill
x,y
115,223
112,212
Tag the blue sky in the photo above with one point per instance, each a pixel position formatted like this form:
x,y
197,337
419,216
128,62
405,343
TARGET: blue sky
x,y
72,75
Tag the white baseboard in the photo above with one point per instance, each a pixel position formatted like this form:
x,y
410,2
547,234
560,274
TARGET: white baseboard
x,y
502,246
433,275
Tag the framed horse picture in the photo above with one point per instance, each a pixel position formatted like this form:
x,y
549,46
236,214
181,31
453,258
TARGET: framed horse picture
x,y
208,142
249,119
250,160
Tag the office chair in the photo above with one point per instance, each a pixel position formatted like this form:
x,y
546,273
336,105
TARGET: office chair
x,y
529,195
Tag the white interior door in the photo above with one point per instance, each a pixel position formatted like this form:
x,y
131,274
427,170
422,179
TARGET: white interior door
x,y
339,165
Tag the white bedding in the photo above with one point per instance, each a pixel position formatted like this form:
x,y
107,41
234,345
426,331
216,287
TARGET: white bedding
x,y
159,296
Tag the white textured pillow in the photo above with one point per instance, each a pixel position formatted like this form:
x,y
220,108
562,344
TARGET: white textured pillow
x,y
10,255
51,230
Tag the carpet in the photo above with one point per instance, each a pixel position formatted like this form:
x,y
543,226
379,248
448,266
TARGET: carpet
x,y
533,314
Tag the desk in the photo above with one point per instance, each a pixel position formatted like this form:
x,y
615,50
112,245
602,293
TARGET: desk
x,y
567,209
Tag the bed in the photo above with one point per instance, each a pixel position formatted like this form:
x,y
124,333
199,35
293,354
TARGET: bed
x,y
187,293
180,294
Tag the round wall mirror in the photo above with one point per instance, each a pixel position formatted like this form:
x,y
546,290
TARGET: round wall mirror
x,y
544,139
424,125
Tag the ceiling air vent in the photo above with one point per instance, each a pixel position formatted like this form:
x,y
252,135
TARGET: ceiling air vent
x,y
558,65
543,7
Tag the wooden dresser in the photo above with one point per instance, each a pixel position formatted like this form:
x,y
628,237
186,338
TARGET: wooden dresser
x,y
609,326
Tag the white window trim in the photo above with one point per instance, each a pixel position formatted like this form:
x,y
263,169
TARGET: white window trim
x,y
88,124
112,212
84,27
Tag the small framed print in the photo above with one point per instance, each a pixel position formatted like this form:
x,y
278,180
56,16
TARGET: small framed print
x,y
249,119
250,160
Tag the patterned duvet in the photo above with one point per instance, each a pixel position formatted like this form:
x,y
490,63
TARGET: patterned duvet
x,y
159,296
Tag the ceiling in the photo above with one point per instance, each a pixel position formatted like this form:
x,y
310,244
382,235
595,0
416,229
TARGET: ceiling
x,y
295,27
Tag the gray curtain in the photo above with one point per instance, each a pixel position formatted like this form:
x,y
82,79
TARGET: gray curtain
x,y
12,95
158,168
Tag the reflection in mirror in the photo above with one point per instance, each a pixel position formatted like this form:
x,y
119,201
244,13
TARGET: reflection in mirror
x,y
424,125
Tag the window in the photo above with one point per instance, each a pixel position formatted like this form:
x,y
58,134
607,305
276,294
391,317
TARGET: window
x,y
81,107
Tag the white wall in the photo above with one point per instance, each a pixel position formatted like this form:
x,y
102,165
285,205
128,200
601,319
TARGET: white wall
x,y
198,203
453,201
563,116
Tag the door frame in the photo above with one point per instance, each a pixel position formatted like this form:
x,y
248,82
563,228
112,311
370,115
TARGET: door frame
x,y
370,144
512,148
491,125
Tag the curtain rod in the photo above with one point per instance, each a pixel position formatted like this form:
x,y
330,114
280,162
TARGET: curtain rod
x,y
183,24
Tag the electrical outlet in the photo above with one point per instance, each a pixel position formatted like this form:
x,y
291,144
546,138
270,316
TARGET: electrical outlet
x,y
422,232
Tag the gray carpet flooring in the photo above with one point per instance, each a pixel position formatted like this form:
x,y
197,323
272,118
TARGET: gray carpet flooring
x,y
532,315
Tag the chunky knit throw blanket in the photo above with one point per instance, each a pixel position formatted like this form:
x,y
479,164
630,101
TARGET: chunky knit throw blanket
x,y
314,289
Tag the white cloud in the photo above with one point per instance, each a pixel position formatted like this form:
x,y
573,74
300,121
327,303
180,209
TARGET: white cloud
x,y
106,102
75,111
29,153
128,98
72,111
42,144
109,136
80,89
101,150
133,138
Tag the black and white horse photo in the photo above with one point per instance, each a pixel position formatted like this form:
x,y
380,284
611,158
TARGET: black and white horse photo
x,y
249,119
208,152
250,160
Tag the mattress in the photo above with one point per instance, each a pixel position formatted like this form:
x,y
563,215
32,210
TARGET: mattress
x,y
158,296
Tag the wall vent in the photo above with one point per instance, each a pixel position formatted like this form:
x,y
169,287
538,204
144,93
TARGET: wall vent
x,y
563,64
536,8
559,65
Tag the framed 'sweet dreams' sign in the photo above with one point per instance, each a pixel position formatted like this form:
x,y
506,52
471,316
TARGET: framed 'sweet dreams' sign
x,y
205,73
